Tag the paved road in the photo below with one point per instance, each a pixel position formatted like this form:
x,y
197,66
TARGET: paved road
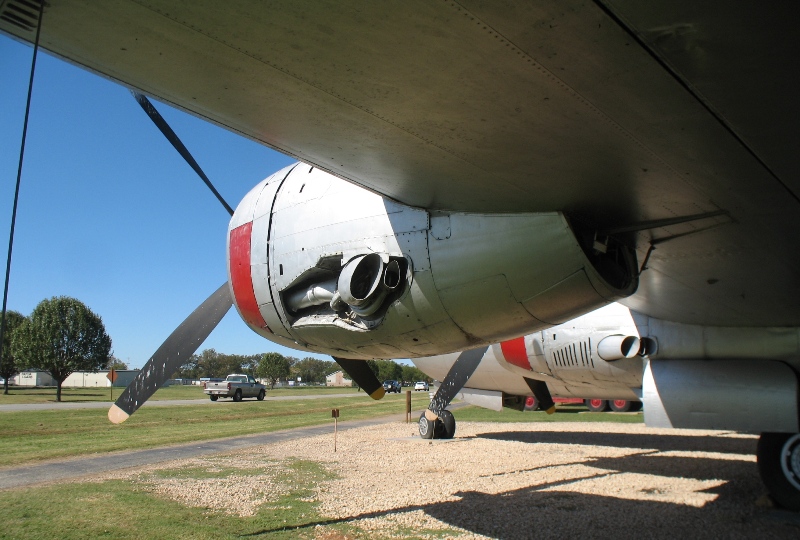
x,y
54,471
164,403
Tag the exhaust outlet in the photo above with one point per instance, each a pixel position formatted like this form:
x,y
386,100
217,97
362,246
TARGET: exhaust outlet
x,y
618,347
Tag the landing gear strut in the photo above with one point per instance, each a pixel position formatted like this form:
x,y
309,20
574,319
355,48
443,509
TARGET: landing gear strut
x,y
779,465
437,422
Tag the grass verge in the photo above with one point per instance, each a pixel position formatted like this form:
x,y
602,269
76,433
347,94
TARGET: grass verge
x,y
22,394
31,436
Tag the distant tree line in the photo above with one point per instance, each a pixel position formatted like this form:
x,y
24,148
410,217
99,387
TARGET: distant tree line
x,y
275,367
387,370
272,366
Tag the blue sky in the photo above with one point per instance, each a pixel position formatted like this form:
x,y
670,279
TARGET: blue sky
x,y
109,213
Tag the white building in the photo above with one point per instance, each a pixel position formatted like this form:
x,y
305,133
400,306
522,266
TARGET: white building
x,y
33,377
78,379
337,379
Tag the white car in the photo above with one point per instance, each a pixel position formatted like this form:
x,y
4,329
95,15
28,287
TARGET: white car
x,y
421,385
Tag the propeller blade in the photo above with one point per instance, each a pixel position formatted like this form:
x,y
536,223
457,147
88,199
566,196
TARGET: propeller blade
x,y
460,372
162,125
362,375
172,354
542,395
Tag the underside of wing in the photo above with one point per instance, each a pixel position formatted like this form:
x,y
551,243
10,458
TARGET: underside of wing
x,y
668,123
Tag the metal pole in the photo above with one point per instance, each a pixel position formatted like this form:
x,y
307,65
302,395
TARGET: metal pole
x,y
19,177
408,406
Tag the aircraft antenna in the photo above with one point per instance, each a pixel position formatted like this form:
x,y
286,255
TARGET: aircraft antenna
x,y
19,175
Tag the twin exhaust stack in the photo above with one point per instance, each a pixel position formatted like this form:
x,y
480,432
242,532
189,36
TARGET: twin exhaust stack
x,y
362,286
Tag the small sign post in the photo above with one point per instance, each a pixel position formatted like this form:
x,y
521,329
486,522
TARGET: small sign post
x,y
335,416
112,376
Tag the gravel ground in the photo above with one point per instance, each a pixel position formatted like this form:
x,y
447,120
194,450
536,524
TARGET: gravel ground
x,y
506,481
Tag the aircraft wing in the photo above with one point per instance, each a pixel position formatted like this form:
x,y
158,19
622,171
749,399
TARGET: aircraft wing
x,y
670,122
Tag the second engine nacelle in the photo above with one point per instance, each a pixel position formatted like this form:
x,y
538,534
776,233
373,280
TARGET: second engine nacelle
x,y
321,264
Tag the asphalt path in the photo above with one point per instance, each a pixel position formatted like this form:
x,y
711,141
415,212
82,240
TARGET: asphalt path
x,y
81,467
161,403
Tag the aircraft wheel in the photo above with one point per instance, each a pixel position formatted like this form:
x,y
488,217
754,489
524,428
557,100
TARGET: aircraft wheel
x,y
619,405
531,403
426,427
213,398
779,464
261,395
237,396
446,425
596,405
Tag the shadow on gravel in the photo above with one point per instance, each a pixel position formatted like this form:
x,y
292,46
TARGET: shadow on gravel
x,y
552,510
533,512
664,443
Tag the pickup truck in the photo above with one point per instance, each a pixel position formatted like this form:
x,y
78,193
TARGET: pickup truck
x,y
236,387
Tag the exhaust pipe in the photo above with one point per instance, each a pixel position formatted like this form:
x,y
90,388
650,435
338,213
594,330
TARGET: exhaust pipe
x,y
317,294
618,347
364,283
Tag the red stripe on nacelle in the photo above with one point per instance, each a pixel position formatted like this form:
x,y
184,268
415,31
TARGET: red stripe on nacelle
x,y
515,353
241,278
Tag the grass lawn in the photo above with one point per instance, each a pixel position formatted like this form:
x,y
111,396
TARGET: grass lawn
x,y
129,509
30,436
23,394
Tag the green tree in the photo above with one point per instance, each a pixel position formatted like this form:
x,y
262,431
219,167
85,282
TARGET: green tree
x,y
60,337
116,364
273,367
386,370
413,374
313,370
209,364
8,363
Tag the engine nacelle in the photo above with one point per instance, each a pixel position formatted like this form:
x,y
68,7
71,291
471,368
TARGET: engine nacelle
x,y
596,355
320,264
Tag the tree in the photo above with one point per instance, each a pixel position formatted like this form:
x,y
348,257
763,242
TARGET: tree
x,y
386,370
313,370
273,367
8,363
412,373
116,364
61,336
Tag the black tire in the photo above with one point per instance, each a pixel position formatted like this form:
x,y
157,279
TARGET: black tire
x,y
426,427
596,405
446,425
237,396
779,464
619,405
213,398
261,395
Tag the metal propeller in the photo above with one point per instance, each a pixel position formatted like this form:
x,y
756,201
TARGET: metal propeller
x,y
172,354
184,341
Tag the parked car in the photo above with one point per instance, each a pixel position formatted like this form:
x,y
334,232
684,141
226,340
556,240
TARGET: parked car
x,y
421,385
237,387
391,386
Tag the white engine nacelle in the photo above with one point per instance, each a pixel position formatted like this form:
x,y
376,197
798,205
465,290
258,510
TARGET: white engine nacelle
x,y
320,264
